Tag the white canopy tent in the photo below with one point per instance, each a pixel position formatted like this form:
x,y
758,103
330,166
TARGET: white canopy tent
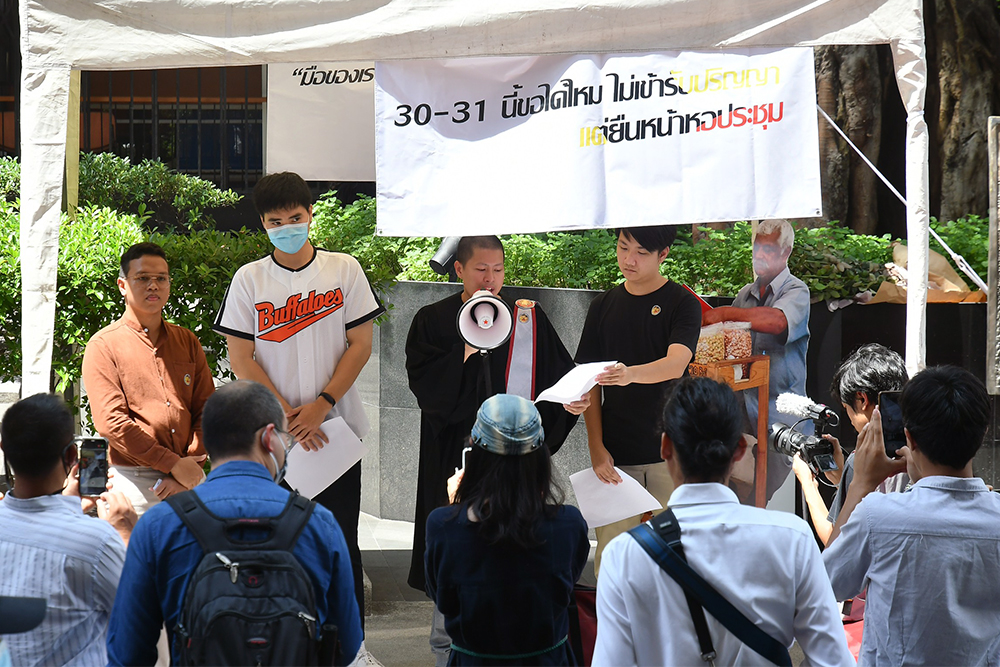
x,y
60,35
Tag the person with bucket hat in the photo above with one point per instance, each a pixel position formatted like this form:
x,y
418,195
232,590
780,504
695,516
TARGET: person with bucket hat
x,y
501,561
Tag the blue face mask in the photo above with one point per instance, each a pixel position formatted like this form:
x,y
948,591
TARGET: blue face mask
x,y
289,238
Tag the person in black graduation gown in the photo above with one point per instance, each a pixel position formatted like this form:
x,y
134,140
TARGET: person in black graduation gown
x,y
445,375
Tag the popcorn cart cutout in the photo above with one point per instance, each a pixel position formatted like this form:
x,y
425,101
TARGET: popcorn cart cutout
x,y
724,355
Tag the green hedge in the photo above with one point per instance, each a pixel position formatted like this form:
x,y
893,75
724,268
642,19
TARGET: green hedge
x,y
970,238
148,189
87,297
202,264
834,262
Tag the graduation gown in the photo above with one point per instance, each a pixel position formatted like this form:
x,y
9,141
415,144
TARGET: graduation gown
x,y
449,391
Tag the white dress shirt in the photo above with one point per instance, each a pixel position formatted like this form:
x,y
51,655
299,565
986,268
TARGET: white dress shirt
x,y
767,564
931,561
50,549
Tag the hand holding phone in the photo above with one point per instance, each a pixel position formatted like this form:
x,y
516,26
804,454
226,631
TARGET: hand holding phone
x,y
892,422
93,466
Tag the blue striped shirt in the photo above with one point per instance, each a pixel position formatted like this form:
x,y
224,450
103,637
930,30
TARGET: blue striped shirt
x,y
50,549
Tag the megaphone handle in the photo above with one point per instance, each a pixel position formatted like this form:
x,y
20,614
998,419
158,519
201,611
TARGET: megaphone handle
x,y
484,355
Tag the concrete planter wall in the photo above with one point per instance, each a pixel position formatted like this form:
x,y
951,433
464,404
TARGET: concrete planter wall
x,y
389,470
956,335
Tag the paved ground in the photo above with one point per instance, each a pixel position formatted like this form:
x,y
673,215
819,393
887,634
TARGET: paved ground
x,y
399,623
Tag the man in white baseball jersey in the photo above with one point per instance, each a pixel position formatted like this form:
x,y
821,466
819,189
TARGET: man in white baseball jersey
x,y
300,322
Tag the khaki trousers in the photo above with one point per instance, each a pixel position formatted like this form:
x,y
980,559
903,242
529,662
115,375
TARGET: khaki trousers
x,y
136,483
655,478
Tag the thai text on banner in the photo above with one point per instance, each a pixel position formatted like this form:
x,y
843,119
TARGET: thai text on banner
x,y
321,120
526,144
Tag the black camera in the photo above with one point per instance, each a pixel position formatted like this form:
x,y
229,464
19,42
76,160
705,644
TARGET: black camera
x,y
816,451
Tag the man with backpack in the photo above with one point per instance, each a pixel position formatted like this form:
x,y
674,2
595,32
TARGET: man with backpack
x,y
213,564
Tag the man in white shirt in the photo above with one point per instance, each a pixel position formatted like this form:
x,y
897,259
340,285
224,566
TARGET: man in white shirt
x,y
929,557
766,564
48,547
300,322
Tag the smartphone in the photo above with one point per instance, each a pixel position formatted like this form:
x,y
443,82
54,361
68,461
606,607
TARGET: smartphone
x,y
93,466
892,422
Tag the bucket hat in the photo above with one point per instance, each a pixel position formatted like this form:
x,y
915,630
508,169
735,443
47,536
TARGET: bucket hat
x,y
508,425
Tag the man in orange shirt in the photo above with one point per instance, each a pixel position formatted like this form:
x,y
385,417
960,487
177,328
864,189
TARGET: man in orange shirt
x,y
147,381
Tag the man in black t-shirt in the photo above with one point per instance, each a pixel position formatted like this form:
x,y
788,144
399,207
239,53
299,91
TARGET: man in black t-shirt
x,y
649,326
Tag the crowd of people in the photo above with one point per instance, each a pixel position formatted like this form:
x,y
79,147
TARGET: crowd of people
x,y
181,567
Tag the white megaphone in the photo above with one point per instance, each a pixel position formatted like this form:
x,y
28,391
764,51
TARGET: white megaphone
x,y
484,321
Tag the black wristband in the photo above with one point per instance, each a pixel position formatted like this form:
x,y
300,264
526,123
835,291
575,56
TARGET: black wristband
x,y
330,399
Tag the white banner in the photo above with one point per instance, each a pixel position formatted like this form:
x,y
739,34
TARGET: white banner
x,y
320,121
514,145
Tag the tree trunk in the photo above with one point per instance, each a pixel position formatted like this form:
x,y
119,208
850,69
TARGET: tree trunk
x,y
963,37
849,89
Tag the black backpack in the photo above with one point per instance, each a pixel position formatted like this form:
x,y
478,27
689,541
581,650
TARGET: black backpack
x,y
249,601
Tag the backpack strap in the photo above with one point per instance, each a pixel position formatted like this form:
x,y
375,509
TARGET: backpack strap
x,y
705,594
215,533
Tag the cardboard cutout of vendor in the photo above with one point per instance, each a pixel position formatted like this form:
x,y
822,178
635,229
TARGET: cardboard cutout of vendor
x,y
776,305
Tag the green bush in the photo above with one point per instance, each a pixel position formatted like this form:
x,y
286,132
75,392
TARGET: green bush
x,y
107,180
10,291
415,260
970,238
150,187
580,260
202,264
87,297
10,179
834,262
351,229
698,265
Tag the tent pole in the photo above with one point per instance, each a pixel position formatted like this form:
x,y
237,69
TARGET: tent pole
x,y
72,190
909,57
44,99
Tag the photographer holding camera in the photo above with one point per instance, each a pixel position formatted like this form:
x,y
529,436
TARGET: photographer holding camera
x,y
929,557
867,372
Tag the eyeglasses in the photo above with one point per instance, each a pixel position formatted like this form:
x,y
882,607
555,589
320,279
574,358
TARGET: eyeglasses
x,y
291,439
144,280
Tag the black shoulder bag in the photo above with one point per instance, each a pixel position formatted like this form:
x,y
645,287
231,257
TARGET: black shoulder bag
x,y
660,537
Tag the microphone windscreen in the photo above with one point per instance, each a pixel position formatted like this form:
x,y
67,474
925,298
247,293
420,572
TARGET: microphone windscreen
x,y
793,404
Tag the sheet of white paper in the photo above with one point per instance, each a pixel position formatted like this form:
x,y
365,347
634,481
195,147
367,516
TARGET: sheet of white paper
x,y
574,384
602,503
311,472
